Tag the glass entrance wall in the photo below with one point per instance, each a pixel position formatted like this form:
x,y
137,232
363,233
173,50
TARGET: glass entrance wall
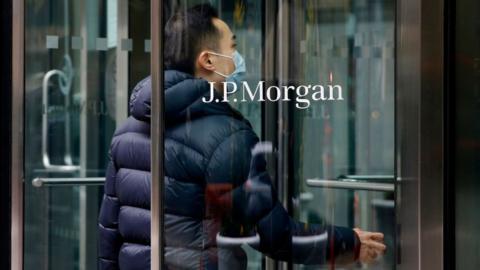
x,y
78,60
83,59
68,38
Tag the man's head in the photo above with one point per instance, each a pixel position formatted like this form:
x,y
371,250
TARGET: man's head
x,y
195,40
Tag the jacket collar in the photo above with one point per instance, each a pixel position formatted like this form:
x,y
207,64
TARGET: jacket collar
x,y
183,99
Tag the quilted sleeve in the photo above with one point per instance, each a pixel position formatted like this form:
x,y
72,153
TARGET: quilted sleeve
x,y
239,189
109,236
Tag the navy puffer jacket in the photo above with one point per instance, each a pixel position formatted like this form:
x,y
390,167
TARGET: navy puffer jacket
x,y
210,180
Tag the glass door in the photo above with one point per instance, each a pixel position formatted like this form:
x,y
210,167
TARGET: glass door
x,y
339,151
81,59
331,160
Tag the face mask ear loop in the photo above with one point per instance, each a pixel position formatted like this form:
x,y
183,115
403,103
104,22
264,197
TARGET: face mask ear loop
x,y
223,55
221,74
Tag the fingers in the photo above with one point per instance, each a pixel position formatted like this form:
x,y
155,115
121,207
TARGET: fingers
x,y
370,256
372,245
372,253
375,240
377,246
371,250
376,236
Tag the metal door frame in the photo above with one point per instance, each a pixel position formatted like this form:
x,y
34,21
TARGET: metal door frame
x,y
17,159
157,128
419,142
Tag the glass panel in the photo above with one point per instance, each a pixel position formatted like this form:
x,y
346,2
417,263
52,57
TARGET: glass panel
x,y
77,70
350,44
218,196
244,19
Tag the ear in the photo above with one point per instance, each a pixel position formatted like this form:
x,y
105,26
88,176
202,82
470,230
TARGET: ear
x,y
205,61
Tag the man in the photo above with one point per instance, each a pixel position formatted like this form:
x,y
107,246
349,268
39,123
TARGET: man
x,y
215,190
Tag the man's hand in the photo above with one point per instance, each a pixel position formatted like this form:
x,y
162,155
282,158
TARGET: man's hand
x,y
371,245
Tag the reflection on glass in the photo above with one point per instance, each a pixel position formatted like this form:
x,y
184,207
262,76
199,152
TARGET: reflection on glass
x,y
245,20
76,77
216,191
219,199
351,44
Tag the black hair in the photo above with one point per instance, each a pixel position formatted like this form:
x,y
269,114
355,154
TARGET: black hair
x,y
188,32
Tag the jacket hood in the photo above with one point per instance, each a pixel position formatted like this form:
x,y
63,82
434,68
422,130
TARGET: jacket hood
x,y
183,99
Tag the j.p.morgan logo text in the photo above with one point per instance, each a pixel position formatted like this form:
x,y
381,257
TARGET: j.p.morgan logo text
x,y
303,95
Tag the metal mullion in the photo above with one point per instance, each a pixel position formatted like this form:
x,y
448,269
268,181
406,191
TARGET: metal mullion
x,y
283,58
17,146
157,134
121,97
270,109
419,101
